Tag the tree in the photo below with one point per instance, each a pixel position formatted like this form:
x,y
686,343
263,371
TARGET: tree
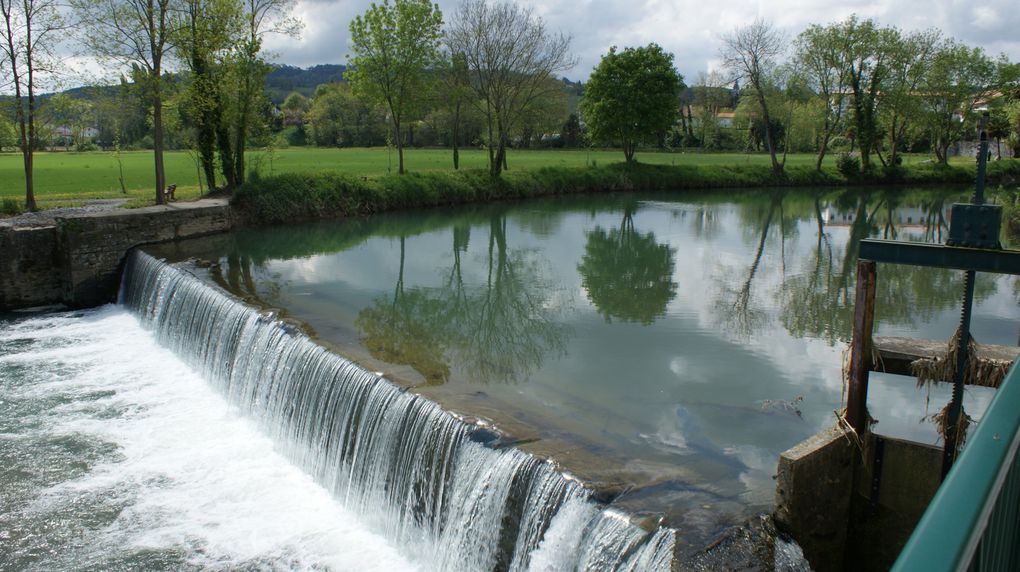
x,y
868,51
570,132
243,96
960,77
751,53
510,58
632,97
395,46
68,117
134,32
454,95
339,119
544,117
822,58
206,31
910,61
29,31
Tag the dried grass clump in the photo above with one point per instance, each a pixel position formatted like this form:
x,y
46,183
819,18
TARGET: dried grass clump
x,y
941,421
978,371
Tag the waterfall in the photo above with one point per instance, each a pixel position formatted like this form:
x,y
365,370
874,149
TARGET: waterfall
x,y
421,475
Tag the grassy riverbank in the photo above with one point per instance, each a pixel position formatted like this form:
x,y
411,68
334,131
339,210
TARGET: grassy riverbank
x,y
63,178
308,196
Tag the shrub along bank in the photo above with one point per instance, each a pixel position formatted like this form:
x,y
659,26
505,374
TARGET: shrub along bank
x,y
293,197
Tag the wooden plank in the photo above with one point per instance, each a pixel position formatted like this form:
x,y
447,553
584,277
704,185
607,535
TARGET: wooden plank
x,y
895,354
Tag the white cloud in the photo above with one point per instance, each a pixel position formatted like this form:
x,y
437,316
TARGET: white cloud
x,y
690,29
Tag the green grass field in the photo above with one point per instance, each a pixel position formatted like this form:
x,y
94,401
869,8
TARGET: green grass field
x,y
63,178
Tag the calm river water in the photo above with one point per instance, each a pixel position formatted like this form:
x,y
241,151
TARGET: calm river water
x,y
674,344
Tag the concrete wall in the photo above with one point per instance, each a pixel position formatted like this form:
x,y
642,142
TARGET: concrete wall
x,y
78,262
30,273
850,506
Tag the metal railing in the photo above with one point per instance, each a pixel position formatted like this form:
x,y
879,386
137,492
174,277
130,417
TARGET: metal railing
x,y
973,522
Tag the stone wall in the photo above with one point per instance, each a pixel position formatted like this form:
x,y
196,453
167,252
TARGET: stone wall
x,y
30,273
78,262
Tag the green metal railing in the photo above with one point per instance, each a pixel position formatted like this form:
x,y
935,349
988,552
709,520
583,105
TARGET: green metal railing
x,y
973,523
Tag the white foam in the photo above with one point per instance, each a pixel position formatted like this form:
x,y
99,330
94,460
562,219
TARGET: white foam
x,y
197,478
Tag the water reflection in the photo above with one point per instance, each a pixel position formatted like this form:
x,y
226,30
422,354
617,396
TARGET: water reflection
x,y
628,275
637,328
499,330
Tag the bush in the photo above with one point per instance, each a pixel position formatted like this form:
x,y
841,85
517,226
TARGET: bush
x,y
294,197
10,207
849,165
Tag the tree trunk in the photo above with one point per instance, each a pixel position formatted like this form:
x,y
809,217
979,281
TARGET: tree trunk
x,y
821,152
226,155
157,137
456,136
400,145
777,169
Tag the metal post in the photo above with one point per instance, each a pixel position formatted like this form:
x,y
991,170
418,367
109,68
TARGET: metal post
x,y
860,347
963,334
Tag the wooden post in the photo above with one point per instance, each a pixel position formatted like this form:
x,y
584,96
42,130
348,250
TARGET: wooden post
x,y
860,347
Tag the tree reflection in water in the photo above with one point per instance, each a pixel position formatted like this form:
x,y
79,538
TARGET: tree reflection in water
x,y
498,331
628,275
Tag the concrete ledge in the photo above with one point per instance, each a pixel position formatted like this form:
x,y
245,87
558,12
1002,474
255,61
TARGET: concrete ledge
x,y
78,261
814,483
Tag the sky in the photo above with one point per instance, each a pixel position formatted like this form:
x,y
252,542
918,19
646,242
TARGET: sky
x,y
690,29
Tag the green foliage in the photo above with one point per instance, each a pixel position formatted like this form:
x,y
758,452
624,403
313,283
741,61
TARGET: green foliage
x,y
848,165
339,119
632,97
960,77
395,45
303,196
8,134
628,275
1010,211
10,207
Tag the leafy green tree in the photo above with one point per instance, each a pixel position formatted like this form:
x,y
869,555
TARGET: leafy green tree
x,y
339,119
869,50
72,115
910,62
395,46
205,32
454,95
632,97
824,62
246,108
570,133
960,77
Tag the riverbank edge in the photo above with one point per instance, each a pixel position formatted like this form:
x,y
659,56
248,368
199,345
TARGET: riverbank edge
x,y
302,197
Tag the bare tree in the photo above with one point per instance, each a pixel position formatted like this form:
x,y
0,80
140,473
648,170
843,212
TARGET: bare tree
x,y
134,33
28,32
510,57
751,53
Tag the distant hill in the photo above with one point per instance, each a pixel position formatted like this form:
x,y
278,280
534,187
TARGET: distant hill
x,y
286,79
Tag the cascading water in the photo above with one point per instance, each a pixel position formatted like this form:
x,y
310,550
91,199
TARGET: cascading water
x,y
390,455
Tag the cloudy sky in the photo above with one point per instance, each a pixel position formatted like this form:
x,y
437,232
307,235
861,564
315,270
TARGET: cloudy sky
x,y
688,28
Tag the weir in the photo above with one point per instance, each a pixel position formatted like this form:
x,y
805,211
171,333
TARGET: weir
x,y
423,475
